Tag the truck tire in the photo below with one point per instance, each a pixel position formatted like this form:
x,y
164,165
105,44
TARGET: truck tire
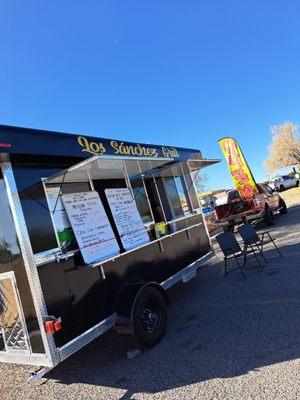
x,y
281,188
149,318
268,217
283,207
297,184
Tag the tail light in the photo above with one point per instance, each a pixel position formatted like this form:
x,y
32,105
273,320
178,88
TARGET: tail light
x,y
259,201
53,325
215,214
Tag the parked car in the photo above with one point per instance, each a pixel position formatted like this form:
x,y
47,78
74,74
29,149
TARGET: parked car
x,y
284,182
236,210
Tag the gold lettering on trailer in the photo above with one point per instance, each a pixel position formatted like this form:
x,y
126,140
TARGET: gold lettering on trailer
x,y
95,148
133,150
170,152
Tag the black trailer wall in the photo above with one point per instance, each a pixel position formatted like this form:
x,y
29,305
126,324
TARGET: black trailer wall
x,y
77,292
82,298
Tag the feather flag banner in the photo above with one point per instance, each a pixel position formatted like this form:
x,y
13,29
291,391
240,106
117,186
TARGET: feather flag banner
x,y
240,172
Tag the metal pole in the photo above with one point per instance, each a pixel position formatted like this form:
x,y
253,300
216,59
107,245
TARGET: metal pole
x,y
186,187
150,208
158,195
203,218
30,267
126,177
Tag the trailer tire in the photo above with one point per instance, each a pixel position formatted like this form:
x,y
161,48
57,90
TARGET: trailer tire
x,y
149,317
283,207
268,217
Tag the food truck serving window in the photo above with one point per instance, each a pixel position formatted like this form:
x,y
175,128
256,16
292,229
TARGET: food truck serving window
x,y
106,206
120,194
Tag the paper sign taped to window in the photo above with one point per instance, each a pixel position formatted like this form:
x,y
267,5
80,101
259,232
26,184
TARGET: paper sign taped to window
x,y
91,226
129,223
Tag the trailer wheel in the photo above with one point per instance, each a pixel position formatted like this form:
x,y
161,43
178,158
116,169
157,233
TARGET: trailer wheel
x,y
283,207
268,217
149,317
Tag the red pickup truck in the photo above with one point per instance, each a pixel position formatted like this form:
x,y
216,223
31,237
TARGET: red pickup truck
x,y
235,211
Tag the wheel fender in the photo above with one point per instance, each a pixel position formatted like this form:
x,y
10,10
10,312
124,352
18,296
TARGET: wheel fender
x,y
125,303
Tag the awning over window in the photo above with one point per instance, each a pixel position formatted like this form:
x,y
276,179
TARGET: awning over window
x,y
195,165
180,167
101,167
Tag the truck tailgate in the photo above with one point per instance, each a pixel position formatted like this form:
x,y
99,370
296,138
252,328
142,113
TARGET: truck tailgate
x,y
248,215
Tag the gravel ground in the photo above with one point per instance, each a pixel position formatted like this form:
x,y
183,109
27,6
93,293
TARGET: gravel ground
x,y
226,339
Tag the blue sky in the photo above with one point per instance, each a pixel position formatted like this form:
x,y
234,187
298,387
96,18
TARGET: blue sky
x,y
168,72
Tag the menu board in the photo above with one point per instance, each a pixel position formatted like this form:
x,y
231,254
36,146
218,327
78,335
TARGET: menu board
x,y
60,219
129,223
91,226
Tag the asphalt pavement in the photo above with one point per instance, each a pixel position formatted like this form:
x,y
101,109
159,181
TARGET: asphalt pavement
x,y
226,339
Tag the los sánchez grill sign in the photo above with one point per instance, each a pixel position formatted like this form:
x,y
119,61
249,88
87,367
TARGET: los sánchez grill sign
x,y
17,140
124,149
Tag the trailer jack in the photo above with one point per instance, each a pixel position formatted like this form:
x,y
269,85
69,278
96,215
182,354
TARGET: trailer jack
x,y
34,376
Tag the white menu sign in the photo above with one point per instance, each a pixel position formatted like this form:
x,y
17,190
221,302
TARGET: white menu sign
x,y
127,218
91,226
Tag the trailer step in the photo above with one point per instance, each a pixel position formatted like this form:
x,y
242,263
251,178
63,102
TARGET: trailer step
x,y
187,273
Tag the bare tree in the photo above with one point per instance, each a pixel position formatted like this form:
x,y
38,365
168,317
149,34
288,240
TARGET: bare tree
x,y
284,150
200,181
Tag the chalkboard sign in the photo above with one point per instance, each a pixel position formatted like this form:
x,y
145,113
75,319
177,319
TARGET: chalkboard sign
x,y
129,223
91,226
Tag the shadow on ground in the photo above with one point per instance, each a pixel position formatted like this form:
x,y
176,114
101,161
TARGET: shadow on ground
x,y
218,328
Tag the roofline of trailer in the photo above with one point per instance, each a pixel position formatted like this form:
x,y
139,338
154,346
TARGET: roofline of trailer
x,y
68,135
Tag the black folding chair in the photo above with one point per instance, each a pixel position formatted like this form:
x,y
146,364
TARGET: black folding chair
x,y
231,250
251,238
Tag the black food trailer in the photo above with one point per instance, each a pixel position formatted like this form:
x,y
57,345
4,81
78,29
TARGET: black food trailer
x,y
92,233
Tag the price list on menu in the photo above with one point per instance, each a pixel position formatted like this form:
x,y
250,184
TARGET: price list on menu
x,y
127,218
91,226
